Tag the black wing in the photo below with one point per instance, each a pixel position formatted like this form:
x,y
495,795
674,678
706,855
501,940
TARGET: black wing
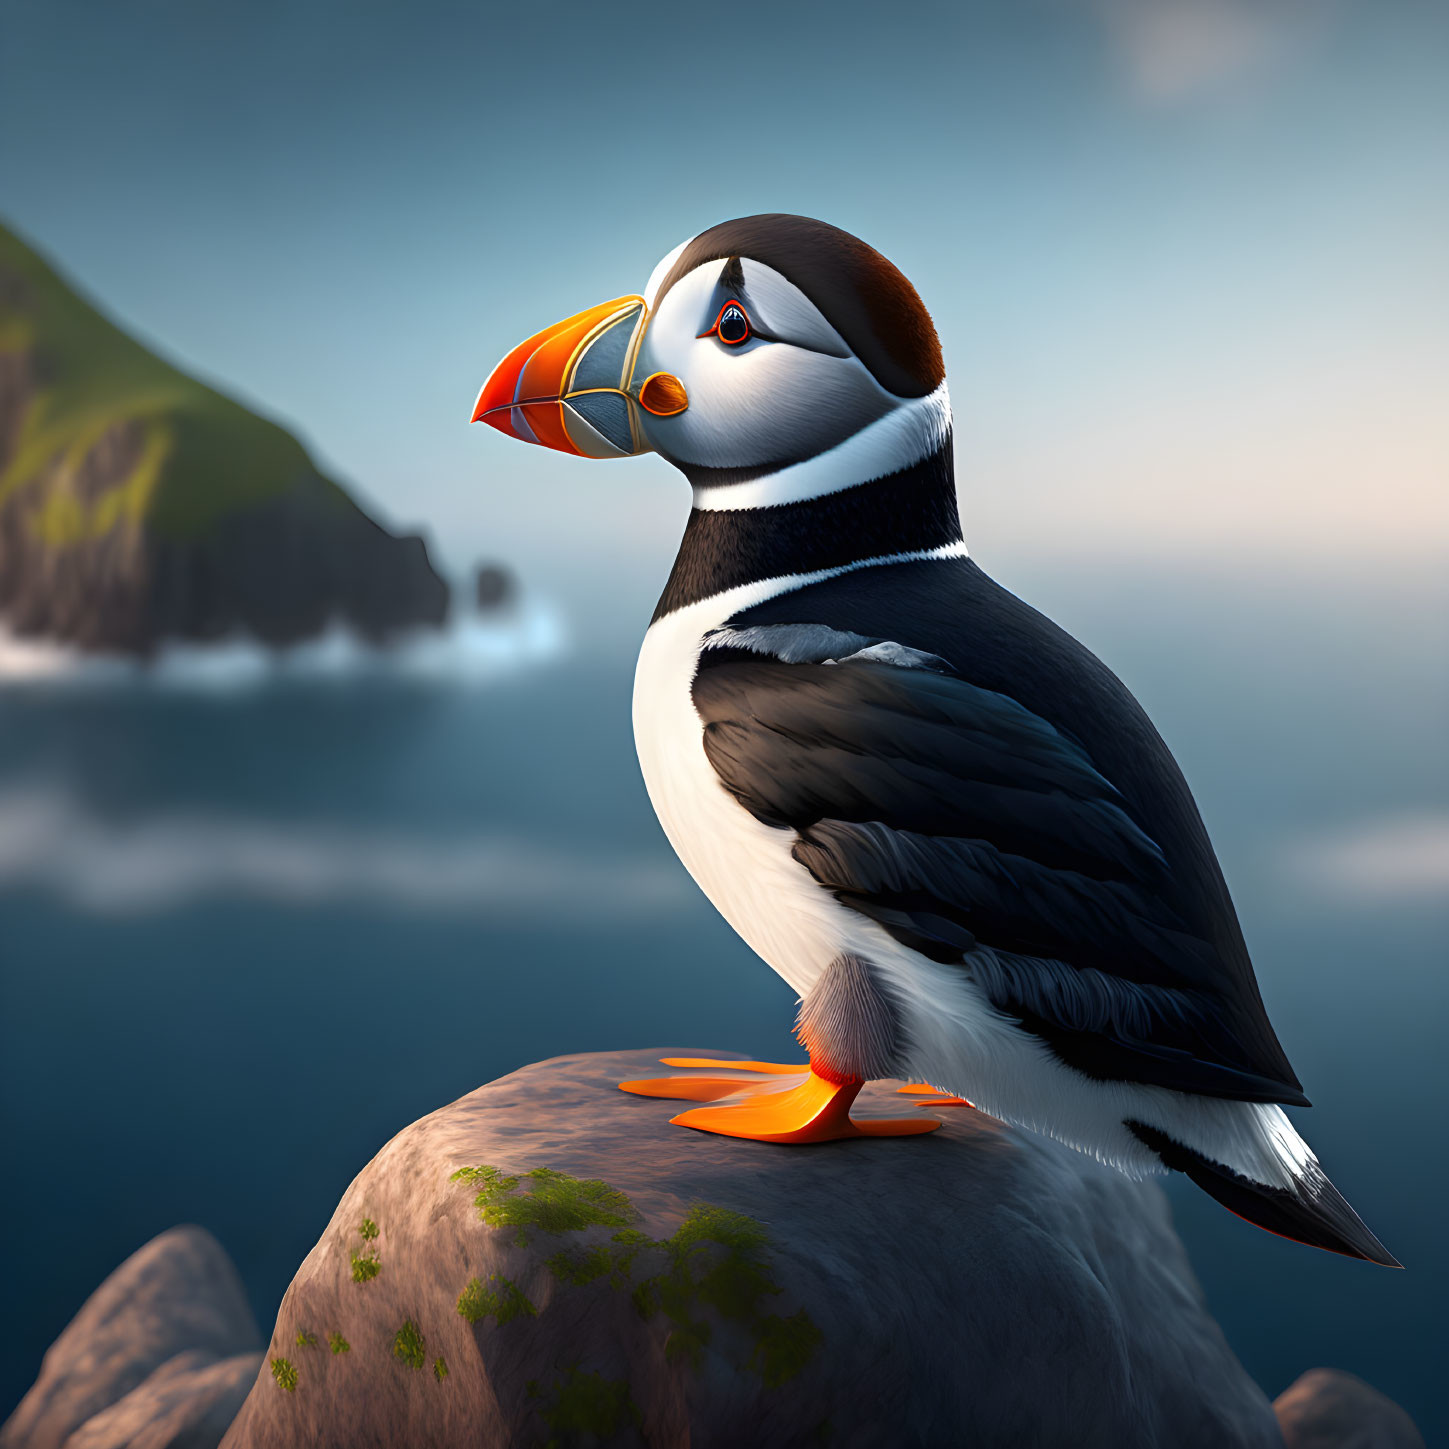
x,y
959,820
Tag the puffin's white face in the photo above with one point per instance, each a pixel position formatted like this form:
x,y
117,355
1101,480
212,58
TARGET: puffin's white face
x,y
732,369
769,380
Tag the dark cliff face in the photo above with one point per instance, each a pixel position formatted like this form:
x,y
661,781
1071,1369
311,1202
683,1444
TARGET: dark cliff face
x,y
137,505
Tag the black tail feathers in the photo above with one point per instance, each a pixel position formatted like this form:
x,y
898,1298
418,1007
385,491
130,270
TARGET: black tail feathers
x,y
1315,1213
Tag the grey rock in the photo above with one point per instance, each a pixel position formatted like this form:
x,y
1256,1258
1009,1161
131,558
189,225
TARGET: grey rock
x,y
187,1403
493,586
977,1286
177,1296
1329,1409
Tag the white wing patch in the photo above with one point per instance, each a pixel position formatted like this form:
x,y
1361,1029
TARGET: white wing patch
x,y
898,655
820,644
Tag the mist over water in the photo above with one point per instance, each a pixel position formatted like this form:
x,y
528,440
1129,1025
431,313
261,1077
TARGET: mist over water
x,y
251,932
471,650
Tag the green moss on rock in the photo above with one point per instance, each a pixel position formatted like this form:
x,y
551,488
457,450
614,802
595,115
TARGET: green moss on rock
x,y
498,1298
784,1347
488,1177
410,1346
440,1368
338,1344
721,1255
716,1266
553,1203
306,1338
285,1373
630,1243
718,1259
365,1267
578,1269
584,1404
367,1229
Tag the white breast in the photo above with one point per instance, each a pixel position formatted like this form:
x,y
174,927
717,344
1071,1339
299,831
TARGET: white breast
x,y
743,866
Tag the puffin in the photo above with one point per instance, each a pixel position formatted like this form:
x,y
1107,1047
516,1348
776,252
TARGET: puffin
x,y
944,822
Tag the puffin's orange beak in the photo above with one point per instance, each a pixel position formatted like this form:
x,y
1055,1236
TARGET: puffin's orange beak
x,y
571,386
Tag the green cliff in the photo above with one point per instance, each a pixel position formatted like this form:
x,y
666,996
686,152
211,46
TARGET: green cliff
x,y
138,504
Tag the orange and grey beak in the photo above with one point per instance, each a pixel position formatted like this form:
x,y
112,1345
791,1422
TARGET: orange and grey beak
x,y
571,386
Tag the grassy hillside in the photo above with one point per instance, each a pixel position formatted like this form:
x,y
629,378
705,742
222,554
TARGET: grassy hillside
x,y
203,456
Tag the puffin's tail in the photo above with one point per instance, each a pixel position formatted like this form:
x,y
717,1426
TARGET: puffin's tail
x,y
1312,1211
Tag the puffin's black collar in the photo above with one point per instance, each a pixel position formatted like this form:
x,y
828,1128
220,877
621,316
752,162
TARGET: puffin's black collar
x,y
908,511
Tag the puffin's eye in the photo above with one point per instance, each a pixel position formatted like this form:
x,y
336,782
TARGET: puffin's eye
x,y
732,326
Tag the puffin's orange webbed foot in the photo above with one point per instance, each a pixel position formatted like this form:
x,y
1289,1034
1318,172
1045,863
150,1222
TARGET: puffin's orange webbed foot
x,y
933,1097
811,1110
710,1089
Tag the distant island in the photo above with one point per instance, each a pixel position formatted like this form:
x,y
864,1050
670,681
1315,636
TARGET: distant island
x,y
139,505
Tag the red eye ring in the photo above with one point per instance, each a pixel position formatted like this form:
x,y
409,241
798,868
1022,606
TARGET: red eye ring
x,y
727,326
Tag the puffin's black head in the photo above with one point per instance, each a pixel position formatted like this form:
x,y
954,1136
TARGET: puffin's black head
x,y
757,345
851,288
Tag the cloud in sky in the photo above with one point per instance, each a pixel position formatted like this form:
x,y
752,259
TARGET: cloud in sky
x,y
49,841
1172,50
1393,860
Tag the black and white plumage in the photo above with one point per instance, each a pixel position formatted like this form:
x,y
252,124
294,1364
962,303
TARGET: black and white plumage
x,y
944,822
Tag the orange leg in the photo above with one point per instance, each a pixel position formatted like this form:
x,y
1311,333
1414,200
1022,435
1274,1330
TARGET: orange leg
x,y
815,1109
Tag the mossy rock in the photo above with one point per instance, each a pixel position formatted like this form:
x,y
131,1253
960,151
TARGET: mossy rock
x,y
497,1299
409,1346
548,1202
589,1275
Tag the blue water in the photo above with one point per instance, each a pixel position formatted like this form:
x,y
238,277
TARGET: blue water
x,y
249,935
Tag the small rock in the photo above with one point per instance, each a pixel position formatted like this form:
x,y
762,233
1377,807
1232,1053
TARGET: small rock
x,y
177,1296
493,586
1329,1409
188,1403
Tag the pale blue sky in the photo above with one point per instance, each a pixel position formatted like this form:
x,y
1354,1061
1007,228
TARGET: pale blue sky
x,y
1187,257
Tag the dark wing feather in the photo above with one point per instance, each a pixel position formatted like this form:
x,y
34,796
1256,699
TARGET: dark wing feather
x,y
866,741
960,820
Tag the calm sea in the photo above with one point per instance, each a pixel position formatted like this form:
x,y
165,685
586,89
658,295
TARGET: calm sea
x,y
251,926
